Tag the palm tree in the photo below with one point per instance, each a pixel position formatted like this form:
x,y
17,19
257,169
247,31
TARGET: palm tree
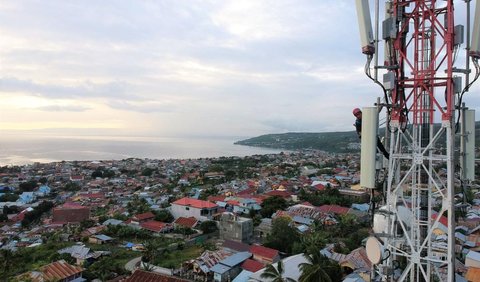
x,y
5,261
318,268
275,274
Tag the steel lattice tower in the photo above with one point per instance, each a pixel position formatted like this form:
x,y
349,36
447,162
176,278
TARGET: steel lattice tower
x,y
422,94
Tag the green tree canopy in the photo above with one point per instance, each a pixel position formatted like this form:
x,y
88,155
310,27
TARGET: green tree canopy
x,y
208,226
319,268
273,204
164,216
276,274
283,235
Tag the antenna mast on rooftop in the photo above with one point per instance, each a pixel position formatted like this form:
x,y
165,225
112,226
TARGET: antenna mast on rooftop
x,y
422,93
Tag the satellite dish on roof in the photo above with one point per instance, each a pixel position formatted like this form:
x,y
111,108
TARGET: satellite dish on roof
x,y
374,250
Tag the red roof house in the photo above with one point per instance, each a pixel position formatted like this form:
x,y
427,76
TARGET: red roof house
x,y
336,209
188,222
264,254
156,226
143,217
188,207
252,265
55,271
145,276
194,203
283,194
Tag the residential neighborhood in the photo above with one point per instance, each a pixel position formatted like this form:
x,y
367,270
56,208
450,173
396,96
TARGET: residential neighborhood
x,y
212,219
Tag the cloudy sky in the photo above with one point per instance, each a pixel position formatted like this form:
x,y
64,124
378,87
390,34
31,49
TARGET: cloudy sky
x,y
182,68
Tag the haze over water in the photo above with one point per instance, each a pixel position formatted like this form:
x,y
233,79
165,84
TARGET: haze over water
x,y
25,149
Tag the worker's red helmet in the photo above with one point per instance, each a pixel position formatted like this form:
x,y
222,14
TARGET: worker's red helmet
x,y
356,111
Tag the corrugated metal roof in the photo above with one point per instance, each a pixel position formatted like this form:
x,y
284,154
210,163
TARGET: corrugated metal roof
x,y
144,276
60,270
236,259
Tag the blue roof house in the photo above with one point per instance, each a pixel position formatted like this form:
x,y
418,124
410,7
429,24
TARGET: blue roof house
x,y
26,198
229,268
43,190
246,205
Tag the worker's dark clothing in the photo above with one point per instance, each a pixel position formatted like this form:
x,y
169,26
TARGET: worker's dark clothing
x,y
358,127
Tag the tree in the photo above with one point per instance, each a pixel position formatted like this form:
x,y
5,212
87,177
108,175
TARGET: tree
x,y
97,173
208,226
147,171
5,262
43,180
164,216
9,197
319,268
273,204
276,274
151,250
282,236
28,186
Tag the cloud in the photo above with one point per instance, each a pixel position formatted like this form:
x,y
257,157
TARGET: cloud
x,y
144,107
58,91
217,66
62,108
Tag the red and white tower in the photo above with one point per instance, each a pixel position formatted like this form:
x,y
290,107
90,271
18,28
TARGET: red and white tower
x,y
414,230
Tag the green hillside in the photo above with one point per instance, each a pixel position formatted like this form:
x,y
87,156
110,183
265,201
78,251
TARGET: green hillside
x,y
337,142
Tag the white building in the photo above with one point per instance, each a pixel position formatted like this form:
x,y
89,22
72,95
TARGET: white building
x,y
188,207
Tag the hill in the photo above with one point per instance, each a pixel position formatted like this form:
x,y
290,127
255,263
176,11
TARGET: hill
x,y
335,142
328,141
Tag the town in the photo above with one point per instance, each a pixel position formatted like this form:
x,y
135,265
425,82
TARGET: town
x,y
300,215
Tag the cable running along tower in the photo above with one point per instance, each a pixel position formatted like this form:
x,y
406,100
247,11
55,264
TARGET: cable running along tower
x,y
426,121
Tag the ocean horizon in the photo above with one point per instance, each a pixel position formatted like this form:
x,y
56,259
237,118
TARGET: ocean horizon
x,y
28,149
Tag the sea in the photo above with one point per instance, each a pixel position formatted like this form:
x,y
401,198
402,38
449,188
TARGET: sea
x,y
28,149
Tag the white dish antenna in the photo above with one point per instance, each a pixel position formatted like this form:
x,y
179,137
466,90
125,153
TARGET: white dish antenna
x,y
374,250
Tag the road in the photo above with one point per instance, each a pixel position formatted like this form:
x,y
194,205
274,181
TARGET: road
x,y
132,264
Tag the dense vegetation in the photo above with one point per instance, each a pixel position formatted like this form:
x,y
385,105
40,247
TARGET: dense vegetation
x,y
328,141
335,142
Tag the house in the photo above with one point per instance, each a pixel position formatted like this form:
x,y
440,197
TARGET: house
x,y
27,198
252,265
83,254
43,190
233,227
235,246
472,259
244,276
55,271
473,274
112,221
145,276
77,178
188,207
245,205
185,222
139,218
79,253
201,266
264,255
263,229
357,260
100,239
229,268
70,213
156,226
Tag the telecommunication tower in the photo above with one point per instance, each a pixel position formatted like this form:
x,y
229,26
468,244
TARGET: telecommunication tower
x,y
426,121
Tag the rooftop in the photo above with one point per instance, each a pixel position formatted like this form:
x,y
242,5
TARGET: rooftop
x,y
195,203
263,251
